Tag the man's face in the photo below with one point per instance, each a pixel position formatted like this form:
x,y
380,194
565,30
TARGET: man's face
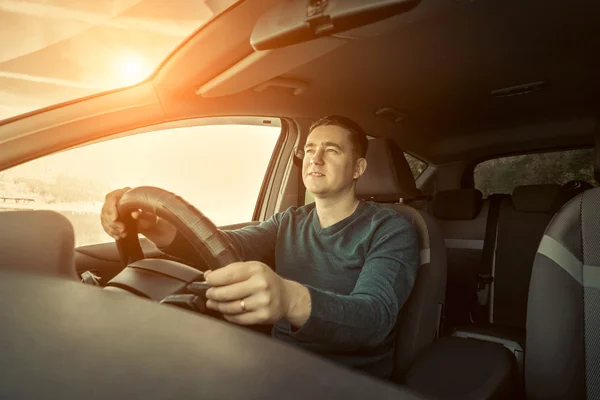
x,y
329,166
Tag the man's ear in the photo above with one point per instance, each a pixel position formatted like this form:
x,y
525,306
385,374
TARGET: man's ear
x,y
359,168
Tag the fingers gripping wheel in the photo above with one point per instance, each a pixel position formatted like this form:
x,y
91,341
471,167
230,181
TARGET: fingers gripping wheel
x,y
214,248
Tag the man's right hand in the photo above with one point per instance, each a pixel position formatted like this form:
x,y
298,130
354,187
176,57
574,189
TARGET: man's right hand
x,y
155,229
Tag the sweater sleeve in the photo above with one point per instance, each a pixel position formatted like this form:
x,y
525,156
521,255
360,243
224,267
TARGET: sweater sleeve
x,y
253,243
368,314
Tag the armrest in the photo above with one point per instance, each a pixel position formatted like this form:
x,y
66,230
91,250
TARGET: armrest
x,y
458,368
510,337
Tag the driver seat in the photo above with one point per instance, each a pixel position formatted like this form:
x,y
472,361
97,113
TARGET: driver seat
x,y
389,180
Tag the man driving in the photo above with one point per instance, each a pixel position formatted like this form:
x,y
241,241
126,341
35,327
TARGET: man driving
x,y
330,276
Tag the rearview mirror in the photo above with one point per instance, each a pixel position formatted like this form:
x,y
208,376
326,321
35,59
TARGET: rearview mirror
x,y
297,21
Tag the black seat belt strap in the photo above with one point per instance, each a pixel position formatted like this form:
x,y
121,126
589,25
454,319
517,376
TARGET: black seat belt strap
x,y
485,278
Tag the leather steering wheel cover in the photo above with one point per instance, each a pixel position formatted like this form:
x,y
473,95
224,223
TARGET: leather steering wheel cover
x,y
214,248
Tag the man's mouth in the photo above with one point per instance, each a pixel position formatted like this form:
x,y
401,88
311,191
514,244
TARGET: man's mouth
x,y
316,174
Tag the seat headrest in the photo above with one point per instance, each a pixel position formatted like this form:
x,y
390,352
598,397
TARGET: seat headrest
x,y
460,204
388,177
38,241
535,198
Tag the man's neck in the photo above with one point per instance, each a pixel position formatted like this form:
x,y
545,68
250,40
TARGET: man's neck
x,y
333,210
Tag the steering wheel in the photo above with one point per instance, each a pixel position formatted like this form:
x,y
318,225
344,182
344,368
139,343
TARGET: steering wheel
x,y
214,248
163,279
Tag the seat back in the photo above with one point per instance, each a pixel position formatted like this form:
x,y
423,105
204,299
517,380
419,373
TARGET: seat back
x,y
563,313
388,180
420,320
522,220
461,215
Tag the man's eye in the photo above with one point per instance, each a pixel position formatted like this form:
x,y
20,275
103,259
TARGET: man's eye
x,y
309,151
332,151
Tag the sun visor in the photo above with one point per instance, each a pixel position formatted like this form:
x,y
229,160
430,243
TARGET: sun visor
x,y
297,21
263,68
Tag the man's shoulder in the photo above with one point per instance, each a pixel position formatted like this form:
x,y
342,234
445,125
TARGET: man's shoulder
x,y
380,213
385,221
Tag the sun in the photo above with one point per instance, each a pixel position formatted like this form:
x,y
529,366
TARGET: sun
x,y
131,69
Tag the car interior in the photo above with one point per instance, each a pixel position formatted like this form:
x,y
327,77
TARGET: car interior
x,y
505,305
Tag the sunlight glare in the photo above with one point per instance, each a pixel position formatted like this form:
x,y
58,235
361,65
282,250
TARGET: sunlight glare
x,y
131,69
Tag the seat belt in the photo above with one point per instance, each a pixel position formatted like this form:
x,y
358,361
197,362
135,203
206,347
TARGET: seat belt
x,y
485,278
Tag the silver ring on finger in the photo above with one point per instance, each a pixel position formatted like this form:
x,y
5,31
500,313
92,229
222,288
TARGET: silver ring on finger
x,y
243,305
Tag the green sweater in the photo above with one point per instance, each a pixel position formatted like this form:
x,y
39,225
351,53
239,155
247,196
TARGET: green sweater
x,y
359,272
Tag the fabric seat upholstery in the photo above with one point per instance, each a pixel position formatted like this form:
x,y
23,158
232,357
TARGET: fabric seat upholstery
x,y
461,215
563,313
522,220
388,180
456,368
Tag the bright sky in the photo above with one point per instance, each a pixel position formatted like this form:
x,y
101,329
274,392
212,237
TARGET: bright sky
x,y
57,50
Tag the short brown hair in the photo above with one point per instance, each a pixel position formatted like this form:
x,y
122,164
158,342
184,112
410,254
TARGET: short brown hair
x,y
358,137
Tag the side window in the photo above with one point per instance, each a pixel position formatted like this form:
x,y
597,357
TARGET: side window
x,y
217,168
416,166
502,175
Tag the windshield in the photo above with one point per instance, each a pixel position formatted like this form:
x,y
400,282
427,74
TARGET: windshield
x,y
58,50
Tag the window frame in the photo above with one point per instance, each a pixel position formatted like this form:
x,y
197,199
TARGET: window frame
x,y
271,170
418,159
267,191
274,181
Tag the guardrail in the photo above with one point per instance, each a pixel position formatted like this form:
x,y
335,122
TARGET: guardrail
x,y
16,200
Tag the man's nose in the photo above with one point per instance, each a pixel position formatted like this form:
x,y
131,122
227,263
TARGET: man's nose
x,y
317,158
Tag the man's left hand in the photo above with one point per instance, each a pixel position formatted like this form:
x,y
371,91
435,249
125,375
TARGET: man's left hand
x,y
249,293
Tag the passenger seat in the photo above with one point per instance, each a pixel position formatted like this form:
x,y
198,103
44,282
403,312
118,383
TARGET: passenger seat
x,y
38,241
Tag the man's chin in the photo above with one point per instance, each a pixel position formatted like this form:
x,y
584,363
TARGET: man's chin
x,y
311,187
321,194
316,190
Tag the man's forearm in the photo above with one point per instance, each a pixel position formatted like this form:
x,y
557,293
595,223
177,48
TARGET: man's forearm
x,y
346,321
299,306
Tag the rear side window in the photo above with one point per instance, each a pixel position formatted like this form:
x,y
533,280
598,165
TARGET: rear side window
x,y
416,166
502,175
